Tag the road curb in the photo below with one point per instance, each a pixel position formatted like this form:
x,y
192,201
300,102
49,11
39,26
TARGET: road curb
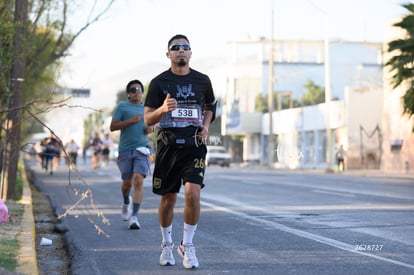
x,y
27,261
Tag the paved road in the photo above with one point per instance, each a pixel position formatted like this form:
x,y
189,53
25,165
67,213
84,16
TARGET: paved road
x,y
252,222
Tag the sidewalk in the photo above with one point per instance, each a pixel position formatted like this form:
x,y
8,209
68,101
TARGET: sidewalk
x,y
353,172
27,261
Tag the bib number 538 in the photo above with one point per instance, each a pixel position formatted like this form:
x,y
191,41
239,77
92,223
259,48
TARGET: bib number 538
x,y
184,113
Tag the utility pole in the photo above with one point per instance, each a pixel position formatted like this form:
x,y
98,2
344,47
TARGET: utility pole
x,y
327,93
327,68
271,146
14,118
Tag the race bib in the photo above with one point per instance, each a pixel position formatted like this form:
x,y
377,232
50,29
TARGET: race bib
x,y
187,113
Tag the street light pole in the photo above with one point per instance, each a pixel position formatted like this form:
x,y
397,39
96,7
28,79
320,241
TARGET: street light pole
x,y
327,67
271,147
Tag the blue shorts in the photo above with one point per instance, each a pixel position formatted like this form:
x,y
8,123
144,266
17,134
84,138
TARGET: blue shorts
x,y
130,162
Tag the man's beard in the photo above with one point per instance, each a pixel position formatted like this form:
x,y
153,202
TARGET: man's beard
x,y
182,63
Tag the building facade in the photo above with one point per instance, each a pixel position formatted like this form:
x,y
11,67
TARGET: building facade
x,y
307,137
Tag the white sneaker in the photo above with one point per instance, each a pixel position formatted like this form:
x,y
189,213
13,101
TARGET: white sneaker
x,y
127,210
188,253
167,257
133,223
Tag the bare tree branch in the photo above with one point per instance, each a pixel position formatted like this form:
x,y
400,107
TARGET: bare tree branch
x,y
78,194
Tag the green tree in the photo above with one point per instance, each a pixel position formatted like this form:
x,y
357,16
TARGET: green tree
x,y
260,103
6,40
401,64
34,37
314,94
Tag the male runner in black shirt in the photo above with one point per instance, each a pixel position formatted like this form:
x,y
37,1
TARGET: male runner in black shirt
x,y
182,101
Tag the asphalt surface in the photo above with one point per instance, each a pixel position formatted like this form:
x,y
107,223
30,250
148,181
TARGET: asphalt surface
x,y
98,228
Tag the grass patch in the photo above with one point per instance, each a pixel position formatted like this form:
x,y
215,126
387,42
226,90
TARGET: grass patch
x,y
19,181
8,254
9,245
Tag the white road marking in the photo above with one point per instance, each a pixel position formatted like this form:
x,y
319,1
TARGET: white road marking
x,y
301,233
334,193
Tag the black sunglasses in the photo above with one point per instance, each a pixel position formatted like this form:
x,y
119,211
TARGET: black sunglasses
x,y
135,90
177,47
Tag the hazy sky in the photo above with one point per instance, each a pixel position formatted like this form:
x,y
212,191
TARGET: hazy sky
x,y
135,32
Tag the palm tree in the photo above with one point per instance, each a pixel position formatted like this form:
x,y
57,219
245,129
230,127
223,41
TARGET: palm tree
x,y
402,63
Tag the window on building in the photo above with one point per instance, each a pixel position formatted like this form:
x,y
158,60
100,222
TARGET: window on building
x,y
321,146
309,149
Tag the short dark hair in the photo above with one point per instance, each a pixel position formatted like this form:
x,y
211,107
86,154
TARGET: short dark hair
x,y
135,81
177,36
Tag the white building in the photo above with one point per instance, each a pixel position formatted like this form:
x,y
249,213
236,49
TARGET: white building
x,y
354,119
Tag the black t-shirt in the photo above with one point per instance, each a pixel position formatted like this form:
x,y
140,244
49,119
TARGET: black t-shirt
x,y
192,92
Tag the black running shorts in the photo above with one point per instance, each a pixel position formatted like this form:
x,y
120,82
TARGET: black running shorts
x,y
175,166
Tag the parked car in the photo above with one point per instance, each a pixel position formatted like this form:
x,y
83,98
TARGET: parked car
x,y
218,155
